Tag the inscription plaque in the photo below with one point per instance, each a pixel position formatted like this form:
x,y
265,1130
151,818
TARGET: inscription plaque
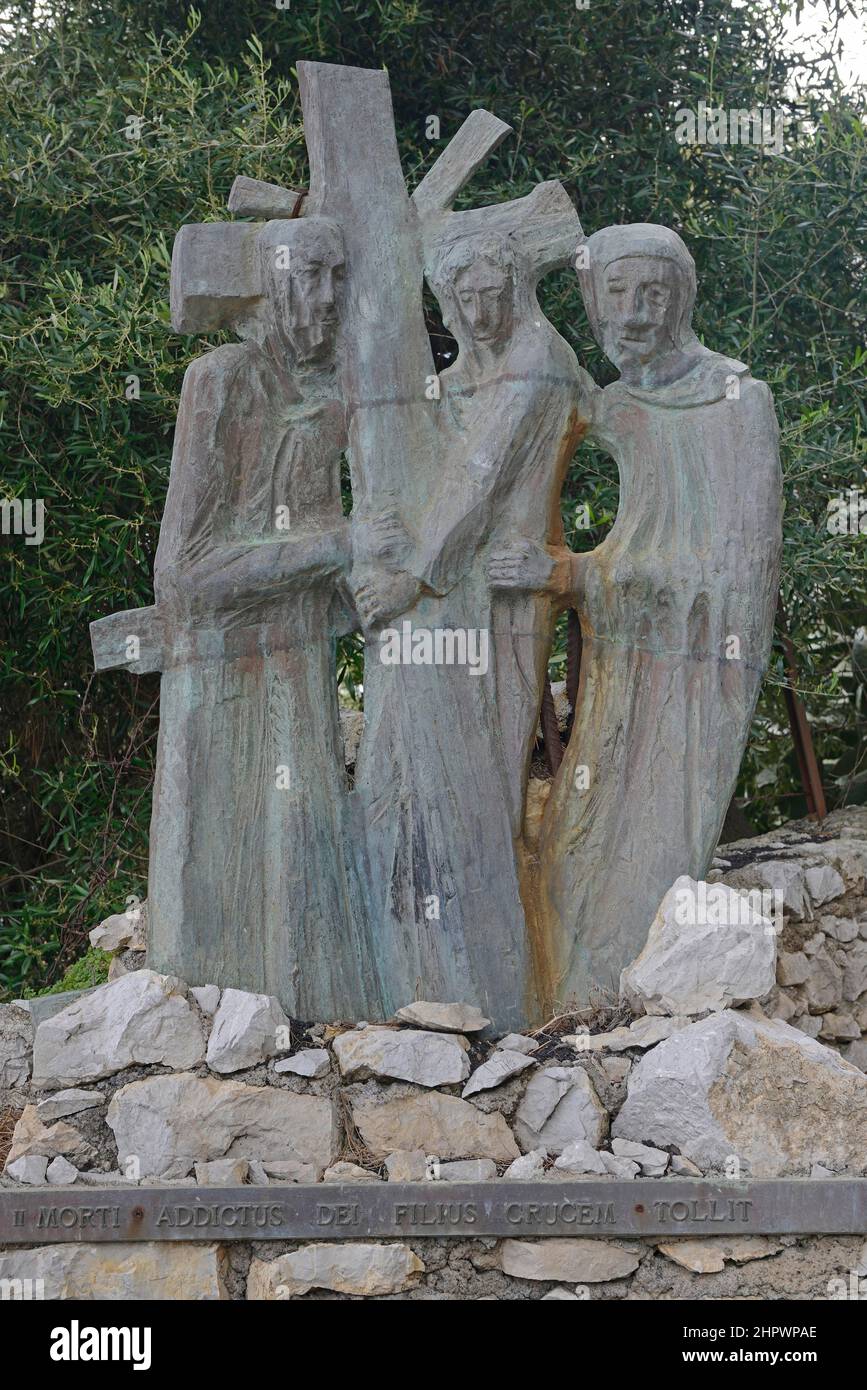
x,y
648,1207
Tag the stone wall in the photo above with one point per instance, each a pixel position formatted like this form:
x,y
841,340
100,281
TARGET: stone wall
x,y
696,1070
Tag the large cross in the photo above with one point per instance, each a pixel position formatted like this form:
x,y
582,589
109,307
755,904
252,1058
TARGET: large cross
x,y
356,179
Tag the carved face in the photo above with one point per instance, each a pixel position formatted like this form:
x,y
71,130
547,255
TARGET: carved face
x,y
639,301
483,293
304,277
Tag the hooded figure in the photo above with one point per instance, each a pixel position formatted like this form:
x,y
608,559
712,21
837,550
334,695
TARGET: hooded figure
x,y
677,611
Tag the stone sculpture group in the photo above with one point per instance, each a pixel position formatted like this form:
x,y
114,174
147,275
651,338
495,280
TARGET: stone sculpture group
x,y
268,871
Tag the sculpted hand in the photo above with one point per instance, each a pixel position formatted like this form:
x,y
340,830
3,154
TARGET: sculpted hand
x,y
381,596
382,537
528,566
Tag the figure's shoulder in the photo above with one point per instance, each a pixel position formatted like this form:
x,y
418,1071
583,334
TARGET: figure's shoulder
x,y
222,365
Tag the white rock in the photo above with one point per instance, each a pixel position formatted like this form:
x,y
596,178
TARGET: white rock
x,y
349,1172
60,1172
500,1067
248,1029
406,1165
444,1018
733,1084
30,1169
527,1167
313,1062
785,876
115,933
172,1122
142,1019
643,1033
443,1126
16,1045
403,1054
70,1102
207,997
824,884
576,1261
580,1157
839,1026
560,1105
516,1042
843,929
708,948
824,987
560,1295
855,973
652,1162
123,1273
351,1268
222,1172
467,1170
290,1171
32,1136
619,1167
793,968
710,1256
681,1167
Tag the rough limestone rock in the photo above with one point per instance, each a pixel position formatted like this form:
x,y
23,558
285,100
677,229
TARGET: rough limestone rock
x,y
580,1157
349,1172
793,968
785,876
824,987
139,1020
443,1126
248,1029
208,998
61,1173
70,1102
406,1165
145,1270
855,972
283,1172
16,1044
560,1105
31,1136
351,1268
173,1122
443,1018
120,932
403,1054
574,1261
517,1042
313,1062
710,1256
643,1033
31,1169
467,1170
527,1167
222,1172
758,1089
502,1066
707,949
652,1162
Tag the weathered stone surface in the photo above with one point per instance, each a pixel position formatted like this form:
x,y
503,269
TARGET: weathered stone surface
x,y
443,1126
856,1053
785,876
839,1026
248,1029
313,1062
643,1033
31,1136
117,933
207,997
517,1042
560,1296
560,1105
855,972
60,1172
500,1067
350,1268
824,884
70,1102
652,1162
761,1090
793,968
45,1006
349,1172
16,1045
710,1256
403,1054
290,1171
30,1169
173,1122
575,1261
527,1167
580,1157
138,1020
222,1172
707,949
467,1170
145,1270
406,1165
681,1167
444,1018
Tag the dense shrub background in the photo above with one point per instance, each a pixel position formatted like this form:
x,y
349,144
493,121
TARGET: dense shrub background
x,y
88,218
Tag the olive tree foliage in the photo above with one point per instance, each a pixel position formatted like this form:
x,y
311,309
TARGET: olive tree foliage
x,y
120,121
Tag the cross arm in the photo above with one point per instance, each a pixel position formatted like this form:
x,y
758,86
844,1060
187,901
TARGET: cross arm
x,y
255,198
478,137
544,226
136,631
